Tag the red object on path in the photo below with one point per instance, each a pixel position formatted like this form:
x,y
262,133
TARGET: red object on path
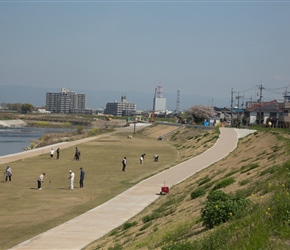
x,y
164,189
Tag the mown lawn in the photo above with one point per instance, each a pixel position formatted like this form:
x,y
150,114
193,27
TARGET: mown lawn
x,y
26,211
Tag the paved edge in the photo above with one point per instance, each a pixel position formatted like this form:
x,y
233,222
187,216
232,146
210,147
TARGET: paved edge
x,y
92,225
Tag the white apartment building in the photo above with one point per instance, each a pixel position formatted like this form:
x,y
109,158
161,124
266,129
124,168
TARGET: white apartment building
x,y
65,102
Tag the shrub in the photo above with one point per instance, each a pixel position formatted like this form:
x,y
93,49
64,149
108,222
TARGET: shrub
x,y
223,183
203,181
146,225
197,193
127,225
80,130
220,207
153,216
231,173
93,132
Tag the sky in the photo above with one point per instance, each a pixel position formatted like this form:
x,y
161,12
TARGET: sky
x,y
207,48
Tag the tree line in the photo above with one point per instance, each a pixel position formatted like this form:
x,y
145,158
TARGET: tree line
x,y
19,107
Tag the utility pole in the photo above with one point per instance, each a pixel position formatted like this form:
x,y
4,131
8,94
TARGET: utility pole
x,y
285,95
239,114
238,97
232,100
260,100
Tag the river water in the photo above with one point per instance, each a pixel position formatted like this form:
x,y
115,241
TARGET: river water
x,y
14,140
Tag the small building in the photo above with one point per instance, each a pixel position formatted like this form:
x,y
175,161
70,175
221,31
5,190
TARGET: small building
x,y
263,113
122,108
284,116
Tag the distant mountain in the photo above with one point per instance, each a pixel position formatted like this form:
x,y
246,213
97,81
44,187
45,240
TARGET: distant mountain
x,y
98,98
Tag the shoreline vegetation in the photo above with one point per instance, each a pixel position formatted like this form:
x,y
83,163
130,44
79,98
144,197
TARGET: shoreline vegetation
x,y
80,127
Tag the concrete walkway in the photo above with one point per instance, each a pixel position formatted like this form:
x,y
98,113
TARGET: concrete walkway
x,y
84,229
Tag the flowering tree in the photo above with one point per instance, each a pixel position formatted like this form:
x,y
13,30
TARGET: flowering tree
x,y
200,113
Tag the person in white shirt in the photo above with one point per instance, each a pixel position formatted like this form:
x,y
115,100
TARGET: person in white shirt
x,y
71,179
51,153
40,180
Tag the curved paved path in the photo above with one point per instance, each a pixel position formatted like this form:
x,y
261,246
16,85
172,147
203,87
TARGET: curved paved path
x,y
84,229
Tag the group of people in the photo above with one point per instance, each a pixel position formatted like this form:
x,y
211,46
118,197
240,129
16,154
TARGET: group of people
x,y
8,171
77,155
71,173
52,153
71,179
142,158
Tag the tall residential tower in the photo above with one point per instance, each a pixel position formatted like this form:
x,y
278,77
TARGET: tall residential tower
x,y
65,102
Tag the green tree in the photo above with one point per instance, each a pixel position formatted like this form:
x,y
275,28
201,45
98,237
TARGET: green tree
x,y
14,106
26,107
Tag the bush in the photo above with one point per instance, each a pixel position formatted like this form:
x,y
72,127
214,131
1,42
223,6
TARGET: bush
x,y
153,216
203,181
224,183
220,207
93,132
127,225
197,193
80,130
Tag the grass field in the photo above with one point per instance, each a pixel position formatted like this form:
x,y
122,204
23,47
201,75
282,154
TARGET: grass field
x,y
26,211
258,170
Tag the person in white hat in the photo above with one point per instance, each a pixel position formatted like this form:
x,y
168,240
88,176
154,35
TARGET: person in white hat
x,y
71,179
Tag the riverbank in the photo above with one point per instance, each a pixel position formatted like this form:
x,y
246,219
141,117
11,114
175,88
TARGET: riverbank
x,y
12,123
17,135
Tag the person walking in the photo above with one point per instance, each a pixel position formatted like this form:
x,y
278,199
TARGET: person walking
x,y
124,162
71,179
8,173
82,177
40,180
51,153
57,153
77,154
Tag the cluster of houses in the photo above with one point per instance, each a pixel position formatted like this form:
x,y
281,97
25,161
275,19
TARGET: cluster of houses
x,y
270,114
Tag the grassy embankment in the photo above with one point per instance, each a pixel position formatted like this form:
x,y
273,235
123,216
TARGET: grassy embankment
x,y
257,171
26,212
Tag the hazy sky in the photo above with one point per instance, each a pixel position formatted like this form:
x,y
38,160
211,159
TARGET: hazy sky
x,y
200,47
